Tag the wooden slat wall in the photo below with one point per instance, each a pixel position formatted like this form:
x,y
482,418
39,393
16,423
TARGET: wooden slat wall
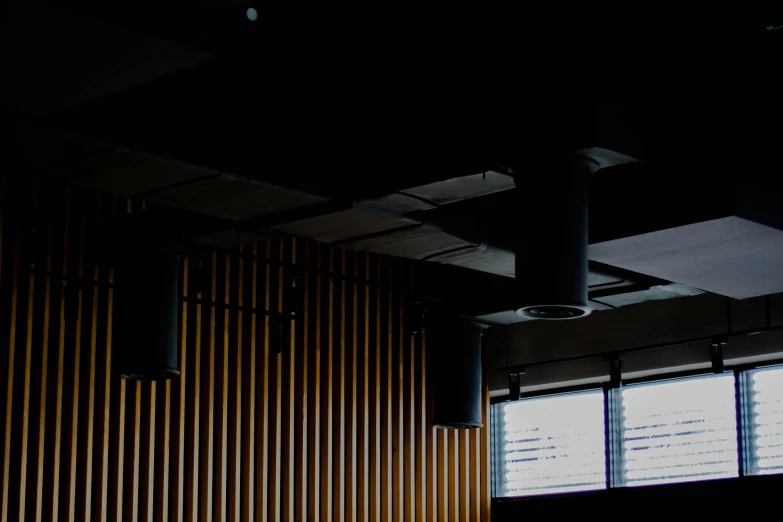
x,y
332,423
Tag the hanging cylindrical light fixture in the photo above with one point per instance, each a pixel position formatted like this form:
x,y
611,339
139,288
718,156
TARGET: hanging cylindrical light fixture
x,y
146,306
551,252
454,349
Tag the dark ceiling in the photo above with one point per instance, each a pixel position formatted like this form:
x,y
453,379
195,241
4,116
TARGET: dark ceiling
x,y
346,103
358,101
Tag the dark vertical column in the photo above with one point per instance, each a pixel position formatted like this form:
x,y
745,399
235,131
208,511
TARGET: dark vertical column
x,y
456,371
551,251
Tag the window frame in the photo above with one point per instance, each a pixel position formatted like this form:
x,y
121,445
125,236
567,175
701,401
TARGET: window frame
x,y
495,433
613,425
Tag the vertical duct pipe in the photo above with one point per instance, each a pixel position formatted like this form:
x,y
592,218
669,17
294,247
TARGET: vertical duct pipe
x,y
146,306
454,345
551,251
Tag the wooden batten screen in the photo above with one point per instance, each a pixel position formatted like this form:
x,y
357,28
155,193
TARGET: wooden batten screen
x,y
320,414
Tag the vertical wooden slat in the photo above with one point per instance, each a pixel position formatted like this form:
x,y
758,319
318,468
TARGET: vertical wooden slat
x,y
395,345
161,452
207,471
289,379
475,475
118,399
60,368
373,338
300,404
443,475
275,392
107,386
178,450
325,347
149,453
26,401
247,361
408,369
134,500
32,235
75,412
192,437
454,473
235,375
42,412
221,390
420,413
362,396
349,339
82,427
464,473
383,339
117,492
260,342
88,489
313,352
337,319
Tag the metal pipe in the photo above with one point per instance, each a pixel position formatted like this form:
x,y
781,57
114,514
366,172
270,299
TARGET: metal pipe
x,y
454,345
145,323
551,250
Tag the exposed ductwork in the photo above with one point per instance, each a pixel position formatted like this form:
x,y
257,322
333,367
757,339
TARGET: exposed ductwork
x,y
147,305
456,349
551,253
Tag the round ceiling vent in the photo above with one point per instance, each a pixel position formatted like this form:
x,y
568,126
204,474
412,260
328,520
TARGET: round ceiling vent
x,y
554,312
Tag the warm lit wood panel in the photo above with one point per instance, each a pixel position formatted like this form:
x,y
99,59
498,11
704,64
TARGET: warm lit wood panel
x,y
362,349
443,475
319,412
312,352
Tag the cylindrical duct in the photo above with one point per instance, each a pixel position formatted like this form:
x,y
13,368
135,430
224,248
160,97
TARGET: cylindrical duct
x,y
551,252
454,348
146,304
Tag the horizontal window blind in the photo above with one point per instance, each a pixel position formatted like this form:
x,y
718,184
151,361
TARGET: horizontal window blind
x,y
550,445
679,431
766,424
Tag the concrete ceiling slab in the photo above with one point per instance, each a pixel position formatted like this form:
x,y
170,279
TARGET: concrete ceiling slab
x,y
729,256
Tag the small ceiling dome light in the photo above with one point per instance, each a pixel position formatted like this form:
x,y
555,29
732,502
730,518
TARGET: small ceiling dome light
x,y
252,14
455,345
146,305
551,252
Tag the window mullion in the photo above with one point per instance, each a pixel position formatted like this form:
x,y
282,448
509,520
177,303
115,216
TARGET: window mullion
x,y
614,434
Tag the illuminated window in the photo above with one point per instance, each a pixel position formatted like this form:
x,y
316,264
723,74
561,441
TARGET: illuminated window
x,y
764,425
550,444
662,432
679,431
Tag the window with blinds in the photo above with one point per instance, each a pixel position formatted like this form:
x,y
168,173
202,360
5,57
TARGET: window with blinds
x,y
660,432
679,431
550,445
764,398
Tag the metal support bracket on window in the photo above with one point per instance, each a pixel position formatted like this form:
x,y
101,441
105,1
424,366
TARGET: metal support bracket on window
x,y
615,373
514,392
716,354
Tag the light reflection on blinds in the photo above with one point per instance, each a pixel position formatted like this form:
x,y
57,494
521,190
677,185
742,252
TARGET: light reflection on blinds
x,y
680,431
552,444
766,398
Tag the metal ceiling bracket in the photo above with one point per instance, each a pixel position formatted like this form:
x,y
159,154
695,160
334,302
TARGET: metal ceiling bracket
x,y
615,373
716,355
514,392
